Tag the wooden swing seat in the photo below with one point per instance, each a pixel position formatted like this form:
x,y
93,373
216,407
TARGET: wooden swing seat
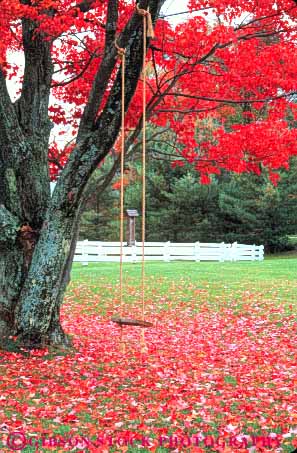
x,y
131,322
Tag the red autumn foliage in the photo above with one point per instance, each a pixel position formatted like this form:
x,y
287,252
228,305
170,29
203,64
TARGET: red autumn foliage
x,y
210,371
227,52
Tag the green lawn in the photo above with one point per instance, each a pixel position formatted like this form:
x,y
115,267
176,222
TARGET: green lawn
x,y
271,276
214,272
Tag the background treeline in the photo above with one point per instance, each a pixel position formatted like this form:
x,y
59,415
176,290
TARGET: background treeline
x,y
245,208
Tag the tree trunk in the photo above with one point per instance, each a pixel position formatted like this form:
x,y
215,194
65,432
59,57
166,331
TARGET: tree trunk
x,y
37,311
11,281
56,334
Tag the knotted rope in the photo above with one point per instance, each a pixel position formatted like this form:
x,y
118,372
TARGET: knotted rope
x,y
148,25
122,56
148,32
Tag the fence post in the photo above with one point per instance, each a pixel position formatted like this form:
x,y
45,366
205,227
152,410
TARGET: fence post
x,y
234,251
222,251
261,253
197,251
166,252
84,253
99,251
228,252
134,253
253,252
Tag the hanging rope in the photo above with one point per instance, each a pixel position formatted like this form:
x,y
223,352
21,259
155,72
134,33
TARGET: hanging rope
x,y
122,55
148,31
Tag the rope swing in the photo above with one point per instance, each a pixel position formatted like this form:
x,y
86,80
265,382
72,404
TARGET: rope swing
x,y
148,32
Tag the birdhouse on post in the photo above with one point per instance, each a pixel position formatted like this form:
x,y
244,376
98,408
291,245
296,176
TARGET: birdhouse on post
x,y
131,217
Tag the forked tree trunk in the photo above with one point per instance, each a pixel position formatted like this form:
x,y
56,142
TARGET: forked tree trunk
x,y
38,233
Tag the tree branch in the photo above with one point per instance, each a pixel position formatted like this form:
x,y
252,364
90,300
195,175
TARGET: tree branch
x,y
33,103
103,75
94,146
12,150
32,177
109,177
104,72
10,131
76,77
227,101
85,5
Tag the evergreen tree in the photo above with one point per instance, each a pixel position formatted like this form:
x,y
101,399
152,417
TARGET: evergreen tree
x,y
242,208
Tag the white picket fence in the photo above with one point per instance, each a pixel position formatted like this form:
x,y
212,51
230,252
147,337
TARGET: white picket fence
x,y
93,251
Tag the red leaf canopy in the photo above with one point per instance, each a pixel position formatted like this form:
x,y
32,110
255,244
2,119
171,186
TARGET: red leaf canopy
x,y
226,56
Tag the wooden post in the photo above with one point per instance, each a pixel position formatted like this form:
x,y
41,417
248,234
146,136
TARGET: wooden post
x,y
131,216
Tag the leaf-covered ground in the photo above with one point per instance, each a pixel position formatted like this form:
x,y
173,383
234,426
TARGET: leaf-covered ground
x,y
220,374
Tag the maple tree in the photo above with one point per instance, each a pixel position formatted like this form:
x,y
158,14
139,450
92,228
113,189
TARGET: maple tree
x,y
243,55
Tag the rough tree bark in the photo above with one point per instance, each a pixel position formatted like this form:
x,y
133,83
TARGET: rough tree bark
x,y
37,232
